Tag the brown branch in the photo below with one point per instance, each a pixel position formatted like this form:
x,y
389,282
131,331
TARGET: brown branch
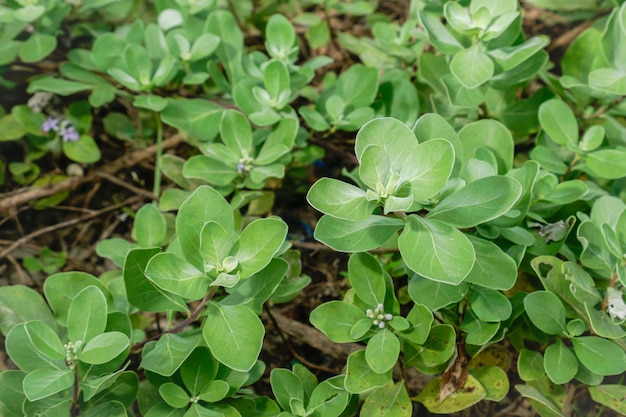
x,y
126,161
67,223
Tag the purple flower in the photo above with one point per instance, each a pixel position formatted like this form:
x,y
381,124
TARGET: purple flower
x,y
51,123
69,134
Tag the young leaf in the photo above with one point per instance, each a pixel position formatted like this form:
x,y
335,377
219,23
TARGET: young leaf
x,y
234,334
436,250
339,199
149,227
335,319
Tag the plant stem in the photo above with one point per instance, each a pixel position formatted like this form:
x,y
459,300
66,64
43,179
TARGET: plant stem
x,y
156,190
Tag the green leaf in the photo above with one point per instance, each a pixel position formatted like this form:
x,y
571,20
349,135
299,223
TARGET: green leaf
x,y
280,33
490,305
472,66
203,46
150,102
235,132
276,81
43,383
91,387
198,370
357,86
478,202
545,311
20,304
234,334
142,292
169,353
599,355
149,228
560,363
436,250
37,47
393,136
200,118
493,267
104,348
215,391
287,387
215,243
610,395
83,150
479,332
546,403
335,319
203,205
25,354
559,122
254,253
614,38
472,393
429,170
340,199
530,365
11,393
87,315
367,278
434,294
492,135
606,163
174,395
45,340
356,236
494,380
382,351
360,378
177,276
388,401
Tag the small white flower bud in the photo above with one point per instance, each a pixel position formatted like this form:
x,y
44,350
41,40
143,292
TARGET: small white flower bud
x,y
381,325
388,316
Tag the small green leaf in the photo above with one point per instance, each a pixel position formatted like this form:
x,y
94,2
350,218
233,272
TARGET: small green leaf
x,y
360,377
37,47
366,277
356,236
606,163
149,228
44,339
530,365
169,353
254,253
599,355
388,401
198,370
286,387
472,393
150,102
610,395
20,304
83,150
335,319
560,363
340,200
545,311
382,351
104,348
559,122
174,395
472,66
490,305
177,276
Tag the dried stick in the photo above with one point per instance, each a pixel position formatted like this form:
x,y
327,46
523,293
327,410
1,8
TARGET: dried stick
x,y
67,223
125,161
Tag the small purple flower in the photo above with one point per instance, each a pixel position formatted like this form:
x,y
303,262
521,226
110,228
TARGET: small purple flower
x,y
69,134
51,123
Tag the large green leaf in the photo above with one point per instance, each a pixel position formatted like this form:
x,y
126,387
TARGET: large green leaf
x,y
37,47
358,85
87,315
234,334
545,311
200,118
599,355
606,163
436,250
493,267
20,304
366,277
478,202
356,236
43,383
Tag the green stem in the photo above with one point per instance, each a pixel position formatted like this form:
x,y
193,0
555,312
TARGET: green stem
x,y
157,163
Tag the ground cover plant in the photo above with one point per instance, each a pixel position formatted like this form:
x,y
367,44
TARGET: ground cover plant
x,y
312,208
